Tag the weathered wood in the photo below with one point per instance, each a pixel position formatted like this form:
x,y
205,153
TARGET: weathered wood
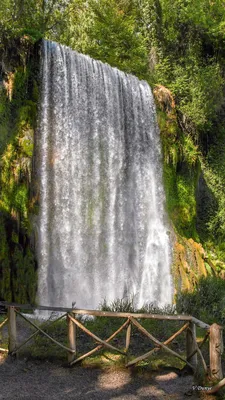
x,y
200,345
81,326
4,350
12,328
71,339
199,323
157,349
191,345
216,388
98,313
215,351
145,332
99,347
107,313
192,348
34,334
197,350
128,336
202,360
3,323
45,334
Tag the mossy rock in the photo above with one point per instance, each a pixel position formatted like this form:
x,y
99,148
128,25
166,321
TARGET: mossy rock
x,y
189,264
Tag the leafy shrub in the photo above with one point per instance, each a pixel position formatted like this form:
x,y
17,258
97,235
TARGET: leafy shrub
x,y
206,302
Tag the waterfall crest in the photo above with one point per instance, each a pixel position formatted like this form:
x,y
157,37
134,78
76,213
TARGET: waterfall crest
x,y
102,232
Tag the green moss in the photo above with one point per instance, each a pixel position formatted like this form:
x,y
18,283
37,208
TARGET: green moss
x,y
195,200
24,276
35,92
162,120
181,203
5,272
18,121
190,151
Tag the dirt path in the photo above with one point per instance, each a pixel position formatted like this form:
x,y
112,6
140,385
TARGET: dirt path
x,y
26,378
23,379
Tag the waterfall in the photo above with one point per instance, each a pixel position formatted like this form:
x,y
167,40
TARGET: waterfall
x,y
102,231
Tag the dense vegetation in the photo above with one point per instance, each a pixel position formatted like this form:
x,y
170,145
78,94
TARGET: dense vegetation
x,y
178,47
18,108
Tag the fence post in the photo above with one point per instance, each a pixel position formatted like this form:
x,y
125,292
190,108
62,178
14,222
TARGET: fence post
x,y
71,338
12,328
128,335
191,345
215,351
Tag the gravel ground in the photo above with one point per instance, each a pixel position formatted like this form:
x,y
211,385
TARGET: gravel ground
x,y
42,380
35,380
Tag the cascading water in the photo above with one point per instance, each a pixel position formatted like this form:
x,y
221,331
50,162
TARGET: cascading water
x,y
102,231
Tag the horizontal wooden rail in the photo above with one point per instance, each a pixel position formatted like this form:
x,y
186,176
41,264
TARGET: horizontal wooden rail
x,y
199,323
98,313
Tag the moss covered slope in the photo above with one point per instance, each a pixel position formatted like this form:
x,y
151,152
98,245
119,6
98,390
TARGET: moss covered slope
x,y
18,114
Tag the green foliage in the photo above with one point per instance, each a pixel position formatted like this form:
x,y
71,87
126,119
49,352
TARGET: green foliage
x,y
115,37
175,43
32,17
190,62
200,93
181,203
118,305
214,173
5,275
18,119
24,279
206,302
4,117
190,151
43,348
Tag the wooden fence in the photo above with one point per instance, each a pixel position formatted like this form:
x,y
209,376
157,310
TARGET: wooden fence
x,y
193,349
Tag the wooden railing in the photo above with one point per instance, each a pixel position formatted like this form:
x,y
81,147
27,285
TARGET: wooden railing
x,y
193,349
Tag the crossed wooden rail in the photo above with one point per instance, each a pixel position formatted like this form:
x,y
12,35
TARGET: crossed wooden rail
x,y
213,333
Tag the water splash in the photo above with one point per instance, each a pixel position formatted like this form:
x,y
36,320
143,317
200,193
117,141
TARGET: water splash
x,y
102,231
